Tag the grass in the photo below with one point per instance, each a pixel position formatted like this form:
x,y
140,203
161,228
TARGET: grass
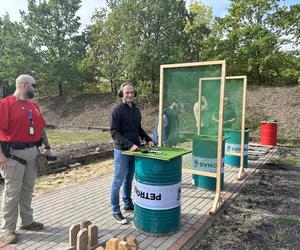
x,y
293,160
278,236
60,137
286,221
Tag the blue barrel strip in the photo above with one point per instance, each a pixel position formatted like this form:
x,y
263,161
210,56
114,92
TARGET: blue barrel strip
x,y
233,144
205,150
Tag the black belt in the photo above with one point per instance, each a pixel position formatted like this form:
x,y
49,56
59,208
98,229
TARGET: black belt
x,y
16,158
22,145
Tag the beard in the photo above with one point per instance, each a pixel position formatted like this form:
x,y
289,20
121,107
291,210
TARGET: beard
x,y
30,94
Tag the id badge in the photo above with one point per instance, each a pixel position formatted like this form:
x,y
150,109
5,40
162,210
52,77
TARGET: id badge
x,y
31,130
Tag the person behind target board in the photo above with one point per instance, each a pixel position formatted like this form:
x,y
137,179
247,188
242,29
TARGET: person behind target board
x,y
21,133
126,131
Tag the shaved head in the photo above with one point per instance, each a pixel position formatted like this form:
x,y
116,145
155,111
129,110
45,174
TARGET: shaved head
x,y
24,79
25,86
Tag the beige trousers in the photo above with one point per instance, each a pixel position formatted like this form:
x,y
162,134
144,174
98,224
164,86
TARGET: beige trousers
x,y
18,188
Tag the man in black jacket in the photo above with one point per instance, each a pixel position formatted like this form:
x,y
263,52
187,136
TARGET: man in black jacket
x,y
125,128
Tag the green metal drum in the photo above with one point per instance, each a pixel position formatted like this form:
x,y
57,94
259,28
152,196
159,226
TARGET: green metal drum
x,y
205,150
233,145
157,195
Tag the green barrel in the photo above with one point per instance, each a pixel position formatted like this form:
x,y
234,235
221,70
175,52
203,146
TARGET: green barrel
x,y
233,145
157,195
205,151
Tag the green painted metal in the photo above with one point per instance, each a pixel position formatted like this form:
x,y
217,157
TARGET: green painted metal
x,y
233,144
205,150
160,153
158,174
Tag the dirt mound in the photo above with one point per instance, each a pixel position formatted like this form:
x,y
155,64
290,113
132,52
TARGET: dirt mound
x,y
263,103
276,103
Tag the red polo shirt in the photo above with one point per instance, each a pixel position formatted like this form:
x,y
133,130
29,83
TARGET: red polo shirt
x,y
15,121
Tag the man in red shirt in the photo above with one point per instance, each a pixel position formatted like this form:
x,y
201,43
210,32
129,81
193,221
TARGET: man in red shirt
x,y
21,131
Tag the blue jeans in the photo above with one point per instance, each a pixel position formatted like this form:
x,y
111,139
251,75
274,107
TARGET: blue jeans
x,y
123,175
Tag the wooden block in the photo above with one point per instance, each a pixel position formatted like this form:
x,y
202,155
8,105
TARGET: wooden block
x,y
112,244
121,237
92,235
99,248
82,239
85,224
123,245
73,231
131,241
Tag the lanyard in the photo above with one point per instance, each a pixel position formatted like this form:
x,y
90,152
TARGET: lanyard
x,y
27,111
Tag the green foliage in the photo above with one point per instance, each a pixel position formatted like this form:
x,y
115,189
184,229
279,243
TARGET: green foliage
x,y
251,39
53,28
198,28
153,35
131,39
17,56
286,221
105,57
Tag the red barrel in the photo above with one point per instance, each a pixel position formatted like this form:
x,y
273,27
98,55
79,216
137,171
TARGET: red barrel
x,y
268,133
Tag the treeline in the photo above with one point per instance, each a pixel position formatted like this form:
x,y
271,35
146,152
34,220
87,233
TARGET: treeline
x,y
130,39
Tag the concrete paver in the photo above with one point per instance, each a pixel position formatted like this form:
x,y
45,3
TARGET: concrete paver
x,y
91,201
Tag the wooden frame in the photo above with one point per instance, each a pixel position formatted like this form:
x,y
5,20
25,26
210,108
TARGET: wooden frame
x,y
218,200
242,172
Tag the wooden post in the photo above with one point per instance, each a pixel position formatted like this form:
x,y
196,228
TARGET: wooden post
x,y
82,239
218,201
112,244
123,245
73,231
132,242
161,107
121,237
85,224
242,174
92,235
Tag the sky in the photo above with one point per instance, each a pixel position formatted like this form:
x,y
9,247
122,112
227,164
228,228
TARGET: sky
x,y
12,7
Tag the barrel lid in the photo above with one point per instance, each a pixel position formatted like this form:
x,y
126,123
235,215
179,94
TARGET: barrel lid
x,y
208,138
235,130
270,121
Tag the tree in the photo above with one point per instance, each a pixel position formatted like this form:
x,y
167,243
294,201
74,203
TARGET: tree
x,y
153,34
16,55
198,28
288,19
53,27
251,42
105,57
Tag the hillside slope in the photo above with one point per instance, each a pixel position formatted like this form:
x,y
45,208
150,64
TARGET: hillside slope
x,y
263,103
